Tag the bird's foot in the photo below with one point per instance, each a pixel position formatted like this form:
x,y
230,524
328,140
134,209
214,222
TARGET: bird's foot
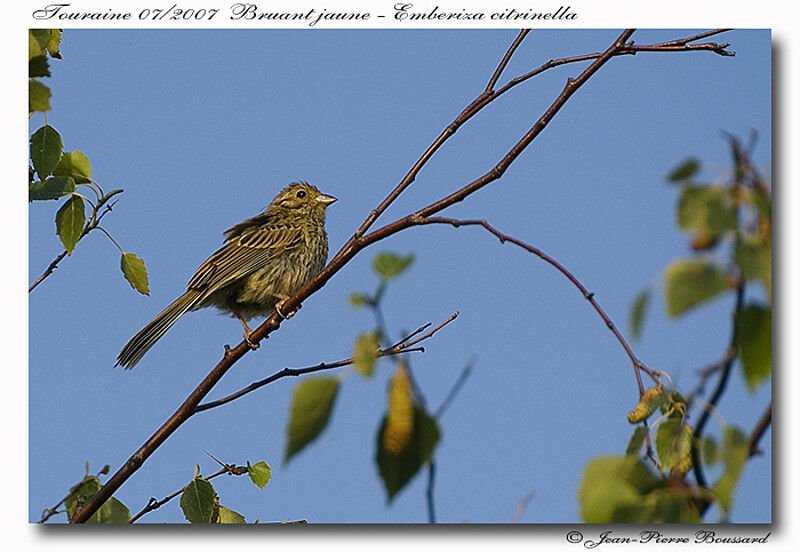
x,y
250,343
280,305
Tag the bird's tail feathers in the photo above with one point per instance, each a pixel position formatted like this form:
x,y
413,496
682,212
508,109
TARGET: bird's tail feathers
x,y
139,344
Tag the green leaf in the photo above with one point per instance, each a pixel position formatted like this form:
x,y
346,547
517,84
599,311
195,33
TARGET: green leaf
x,y
364,350
358,300
197,501
706,208
46,149
54,44
76,165
38,97
673,442
311,407
711,452
688,283
52,188
226,515
42,38
388,265
69,222
685,170
38,67
35,49
260,473
754,258
79,494
636,441
638,310
397,470
754,338
610,483
135,272
735,454
112,511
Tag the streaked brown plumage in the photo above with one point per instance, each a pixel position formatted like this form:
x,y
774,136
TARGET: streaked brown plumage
x,y
265,259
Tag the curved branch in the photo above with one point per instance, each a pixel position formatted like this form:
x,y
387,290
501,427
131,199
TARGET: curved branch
x,y
588,295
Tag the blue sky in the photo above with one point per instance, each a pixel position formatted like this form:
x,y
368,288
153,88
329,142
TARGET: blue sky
x,y
203,128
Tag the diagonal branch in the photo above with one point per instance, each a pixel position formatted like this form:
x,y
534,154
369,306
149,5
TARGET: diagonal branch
x,y
760,430
354,245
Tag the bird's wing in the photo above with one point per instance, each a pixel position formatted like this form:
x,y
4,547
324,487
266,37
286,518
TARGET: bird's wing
x,y
244,254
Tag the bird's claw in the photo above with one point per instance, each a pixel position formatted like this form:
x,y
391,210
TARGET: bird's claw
x,y
252,344
279,306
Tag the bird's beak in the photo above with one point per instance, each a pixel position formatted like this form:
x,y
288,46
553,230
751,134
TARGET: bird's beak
x,y
325,199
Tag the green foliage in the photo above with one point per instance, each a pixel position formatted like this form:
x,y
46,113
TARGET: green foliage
x,y
673,443
691,282
311,407
735,453
753,255
638,310
637,440
754,339
706,208
46,147
228,516
69,170
260,473
710,451
112,510
38,97
69,222
685,170
364,350
610,483
397,470
76,165
387,265
42,42
198,501
135,272
52,188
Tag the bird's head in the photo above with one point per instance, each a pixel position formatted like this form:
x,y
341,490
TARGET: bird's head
x,y
301,198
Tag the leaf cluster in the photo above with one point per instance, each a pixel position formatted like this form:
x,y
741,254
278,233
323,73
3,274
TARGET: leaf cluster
x,y
63,174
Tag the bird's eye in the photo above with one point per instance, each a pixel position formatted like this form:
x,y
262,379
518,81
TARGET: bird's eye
x,y
301,194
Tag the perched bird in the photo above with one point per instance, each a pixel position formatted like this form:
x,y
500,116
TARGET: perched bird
x,y
264,261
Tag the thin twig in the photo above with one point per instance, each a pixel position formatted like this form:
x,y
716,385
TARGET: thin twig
x,y
760,429
429,491
457,385
403,346
353,246
523,504
499,71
